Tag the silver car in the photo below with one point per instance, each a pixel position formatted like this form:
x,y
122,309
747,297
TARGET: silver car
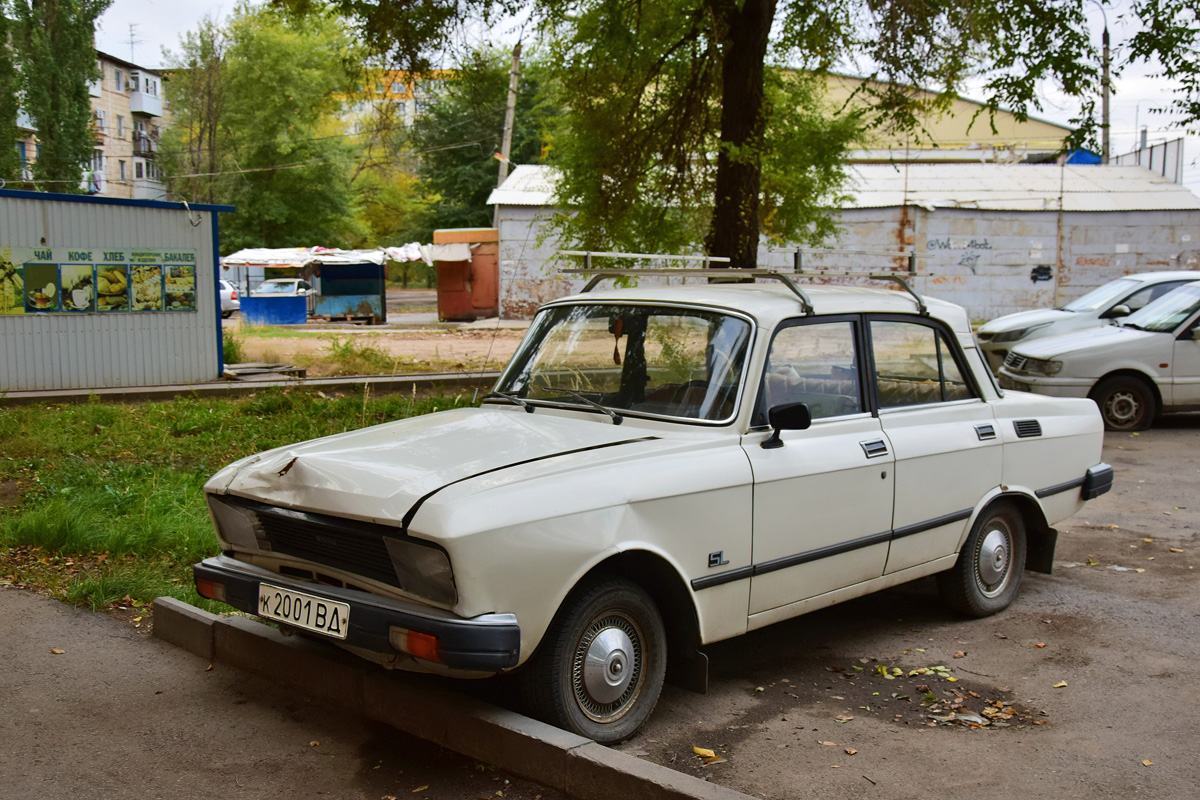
x,y
229,299
1113,300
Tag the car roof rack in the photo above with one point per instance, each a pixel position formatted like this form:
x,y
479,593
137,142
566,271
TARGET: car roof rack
x,y
729,275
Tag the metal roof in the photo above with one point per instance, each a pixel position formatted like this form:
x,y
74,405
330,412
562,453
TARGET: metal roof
x,y
993,187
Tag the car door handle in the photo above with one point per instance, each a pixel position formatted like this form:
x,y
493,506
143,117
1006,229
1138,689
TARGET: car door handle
x,y
985,432
874,448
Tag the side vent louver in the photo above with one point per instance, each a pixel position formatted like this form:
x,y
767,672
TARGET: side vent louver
x,y
985,432
1027,428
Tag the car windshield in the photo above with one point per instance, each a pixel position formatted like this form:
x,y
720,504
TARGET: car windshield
x,y
640,359
1102,296
1167,312
274,287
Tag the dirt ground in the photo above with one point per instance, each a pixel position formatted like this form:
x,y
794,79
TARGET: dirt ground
x,y
800,709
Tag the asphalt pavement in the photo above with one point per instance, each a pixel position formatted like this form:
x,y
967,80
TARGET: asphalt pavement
x,y
90,708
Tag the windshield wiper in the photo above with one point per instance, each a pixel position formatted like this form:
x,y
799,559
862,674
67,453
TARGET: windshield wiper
x,y
616,418
512,398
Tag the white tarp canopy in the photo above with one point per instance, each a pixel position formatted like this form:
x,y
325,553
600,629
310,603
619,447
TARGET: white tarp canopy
x,y
299,257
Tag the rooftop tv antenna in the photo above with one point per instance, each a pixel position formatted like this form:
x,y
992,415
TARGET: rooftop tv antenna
x,y
133,40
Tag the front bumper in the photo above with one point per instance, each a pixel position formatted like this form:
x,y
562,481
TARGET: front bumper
x,y
488,643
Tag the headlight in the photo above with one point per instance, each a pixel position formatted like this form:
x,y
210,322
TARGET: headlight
x,y
1042,366
236,525
1016,333
423,570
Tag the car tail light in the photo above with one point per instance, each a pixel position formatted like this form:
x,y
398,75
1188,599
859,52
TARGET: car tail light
x,y
233,295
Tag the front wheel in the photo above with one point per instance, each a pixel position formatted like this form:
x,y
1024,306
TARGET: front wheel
x,y
1126,404
600,668
988,573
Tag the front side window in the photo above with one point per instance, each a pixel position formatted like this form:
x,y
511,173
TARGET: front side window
x,y
914,366
813,364
1168,312
652,360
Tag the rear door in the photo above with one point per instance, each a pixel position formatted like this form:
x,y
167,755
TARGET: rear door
x,y
948,452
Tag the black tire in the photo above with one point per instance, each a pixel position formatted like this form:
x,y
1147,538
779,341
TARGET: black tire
x,y
226,314
1126,403
990,566
606,697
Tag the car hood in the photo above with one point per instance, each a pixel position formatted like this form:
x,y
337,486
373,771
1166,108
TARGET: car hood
x,y
1090,339
380,474
1023,319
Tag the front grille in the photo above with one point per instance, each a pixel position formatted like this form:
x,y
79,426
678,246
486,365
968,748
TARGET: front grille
x,y
1015,361
355,547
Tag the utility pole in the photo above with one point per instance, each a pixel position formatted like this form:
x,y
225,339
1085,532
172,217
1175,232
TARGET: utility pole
x,y
510,112
1105,88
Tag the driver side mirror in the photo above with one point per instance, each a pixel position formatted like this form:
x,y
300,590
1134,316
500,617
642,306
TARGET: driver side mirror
x,y
787,417
1119,310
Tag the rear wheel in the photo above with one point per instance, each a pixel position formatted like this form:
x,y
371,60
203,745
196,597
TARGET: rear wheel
x,y
599,670
988,573
1126,403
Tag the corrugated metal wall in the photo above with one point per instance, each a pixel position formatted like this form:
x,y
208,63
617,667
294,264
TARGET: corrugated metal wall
x,y
109,349
990,262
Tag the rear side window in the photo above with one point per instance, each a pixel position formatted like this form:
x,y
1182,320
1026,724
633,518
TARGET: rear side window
x,y
814,364
914,366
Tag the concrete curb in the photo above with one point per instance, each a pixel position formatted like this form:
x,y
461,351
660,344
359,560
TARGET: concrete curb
x,y
515,743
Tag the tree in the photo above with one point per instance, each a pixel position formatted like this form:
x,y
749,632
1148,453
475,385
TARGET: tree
x,y
10,163
52,45
461,129
257,125
1171,37
731,47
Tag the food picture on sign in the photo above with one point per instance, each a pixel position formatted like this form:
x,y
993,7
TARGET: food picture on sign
x,y
113,285
79,293
181,288
12,285
41,288
147,287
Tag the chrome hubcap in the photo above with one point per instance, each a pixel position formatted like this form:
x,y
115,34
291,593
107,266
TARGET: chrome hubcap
x,y
995,555
606,668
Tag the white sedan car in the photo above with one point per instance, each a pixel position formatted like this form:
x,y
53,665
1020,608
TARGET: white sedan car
x,y
658,469
1095,309
1149,363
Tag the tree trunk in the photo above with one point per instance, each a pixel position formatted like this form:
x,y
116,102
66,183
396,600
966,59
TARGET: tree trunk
x,y
733,231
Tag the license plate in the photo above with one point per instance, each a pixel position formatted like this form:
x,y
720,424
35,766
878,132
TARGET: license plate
x,y
304,610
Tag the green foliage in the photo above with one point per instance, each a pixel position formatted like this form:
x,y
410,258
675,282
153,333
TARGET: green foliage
x,y
10,163
231,347
259,107
53,45
463,128
1171,34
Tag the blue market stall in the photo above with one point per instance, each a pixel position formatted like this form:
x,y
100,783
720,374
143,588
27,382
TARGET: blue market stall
x,y
347,284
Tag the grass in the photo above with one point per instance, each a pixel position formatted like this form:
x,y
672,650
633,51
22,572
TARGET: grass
x,y
102,503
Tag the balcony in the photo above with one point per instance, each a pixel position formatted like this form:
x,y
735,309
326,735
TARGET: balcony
x,y
143,103
144,145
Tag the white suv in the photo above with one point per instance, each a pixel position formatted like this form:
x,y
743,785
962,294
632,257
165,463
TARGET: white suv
x,y
1095,309
658,469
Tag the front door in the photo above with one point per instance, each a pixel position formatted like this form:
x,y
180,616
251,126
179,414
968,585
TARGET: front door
x,y
823,500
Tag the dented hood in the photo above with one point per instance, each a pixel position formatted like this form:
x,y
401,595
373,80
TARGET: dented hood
x,y
380,473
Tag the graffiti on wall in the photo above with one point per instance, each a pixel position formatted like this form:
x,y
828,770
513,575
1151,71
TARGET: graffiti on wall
x,y
969,250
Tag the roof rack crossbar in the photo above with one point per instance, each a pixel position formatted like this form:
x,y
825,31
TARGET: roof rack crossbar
x,y
720,275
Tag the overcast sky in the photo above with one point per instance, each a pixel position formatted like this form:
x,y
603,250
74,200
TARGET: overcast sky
x,y
160,23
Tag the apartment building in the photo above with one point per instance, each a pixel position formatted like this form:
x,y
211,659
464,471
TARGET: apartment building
x,y
390,96
128,115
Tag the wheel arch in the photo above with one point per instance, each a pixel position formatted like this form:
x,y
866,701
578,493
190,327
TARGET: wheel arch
x,y
687,667
1040,539
1135,374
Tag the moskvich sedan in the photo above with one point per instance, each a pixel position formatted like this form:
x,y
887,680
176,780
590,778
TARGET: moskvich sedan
x,y
658,469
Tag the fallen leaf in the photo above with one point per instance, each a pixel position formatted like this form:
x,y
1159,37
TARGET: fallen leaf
x,y
56,651
850,751
420,789
1060,685
827,744
209,668
1147,762
1000,635
1139,569
313,743
952,679
960,654
1040,644
1175,549
843,718
759,689
1148,541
